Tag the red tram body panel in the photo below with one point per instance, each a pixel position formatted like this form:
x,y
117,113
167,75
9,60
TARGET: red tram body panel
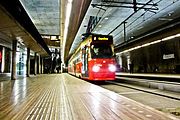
x,y
94,59
104,72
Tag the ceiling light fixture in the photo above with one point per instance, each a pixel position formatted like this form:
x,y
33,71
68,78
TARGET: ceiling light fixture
x,y
165,19
46,36
151,43
68,13
53,37
139,27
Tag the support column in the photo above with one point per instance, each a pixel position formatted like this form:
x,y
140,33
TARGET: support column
x,y
28,63
62,67
35,63
42,66
120,61
135,5
39,64
3,60
13,72
124,31
128,62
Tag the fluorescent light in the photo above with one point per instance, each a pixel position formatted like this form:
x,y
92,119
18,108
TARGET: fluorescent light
x,y
53,38
137,47
154,42
19,39
177,35
151,43
165,19
68,13
147,44
168,38
139,27
45,36
171,37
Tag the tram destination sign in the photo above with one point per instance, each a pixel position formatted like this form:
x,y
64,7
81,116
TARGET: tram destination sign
x,y
102,38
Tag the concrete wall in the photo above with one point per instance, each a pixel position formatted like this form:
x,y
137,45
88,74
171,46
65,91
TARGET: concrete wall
x,y
150,59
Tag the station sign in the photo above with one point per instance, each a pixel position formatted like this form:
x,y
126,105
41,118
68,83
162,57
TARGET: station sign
x,y
168,56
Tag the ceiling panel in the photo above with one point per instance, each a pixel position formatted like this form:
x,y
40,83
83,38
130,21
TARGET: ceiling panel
x,y
10,30
45,14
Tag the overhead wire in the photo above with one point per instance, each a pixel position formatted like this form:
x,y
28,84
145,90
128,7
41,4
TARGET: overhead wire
x,y
148,17
128,17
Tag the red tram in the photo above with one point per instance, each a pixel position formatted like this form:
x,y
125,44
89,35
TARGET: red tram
x,y
93,60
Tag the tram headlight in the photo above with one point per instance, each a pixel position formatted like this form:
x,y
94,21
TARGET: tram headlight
x,y
112,68
95,68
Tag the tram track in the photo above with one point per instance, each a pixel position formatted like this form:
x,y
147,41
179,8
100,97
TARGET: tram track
x,y
155,83
165,101
143,90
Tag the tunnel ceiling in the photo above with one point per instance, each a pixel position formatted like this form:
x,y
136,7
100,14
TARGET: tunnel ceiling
x,y
16,25
45,14
49,17
112,14
29,21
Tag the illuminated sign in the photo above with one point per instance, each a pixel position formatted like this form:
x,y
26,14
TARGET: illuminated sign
x,y
168,56
102,38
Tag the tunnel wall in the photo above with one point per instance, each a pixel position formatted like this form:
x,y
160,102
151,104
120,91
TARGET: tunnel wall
x,y
154,58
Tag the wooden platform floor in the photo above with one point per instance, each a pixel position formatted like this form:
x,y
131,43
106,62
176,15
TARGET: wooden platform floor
x,y
63,97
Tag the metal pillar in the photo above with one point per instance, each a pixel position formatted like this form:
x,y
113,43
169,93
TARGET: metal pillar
x,y
128,62
28,63
39,64
120,61
62,67
135,5
13,72
42,66
3,60
124,31
35,63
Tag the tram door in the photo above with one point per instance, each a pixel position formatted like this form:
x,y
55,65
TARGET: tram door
x,y
85,62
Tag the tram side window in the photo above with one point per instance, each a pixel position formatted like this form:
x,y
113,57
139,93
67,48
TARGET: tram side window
x,y
101,51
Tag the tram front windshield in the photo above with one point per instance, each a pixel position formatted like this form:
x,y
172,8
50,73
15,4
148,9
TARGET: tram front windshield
x,y
101,51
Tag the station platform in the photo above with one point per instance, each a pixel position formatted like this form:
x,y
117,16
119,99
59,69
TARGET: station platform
x,y
5,76
162,77
64,97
